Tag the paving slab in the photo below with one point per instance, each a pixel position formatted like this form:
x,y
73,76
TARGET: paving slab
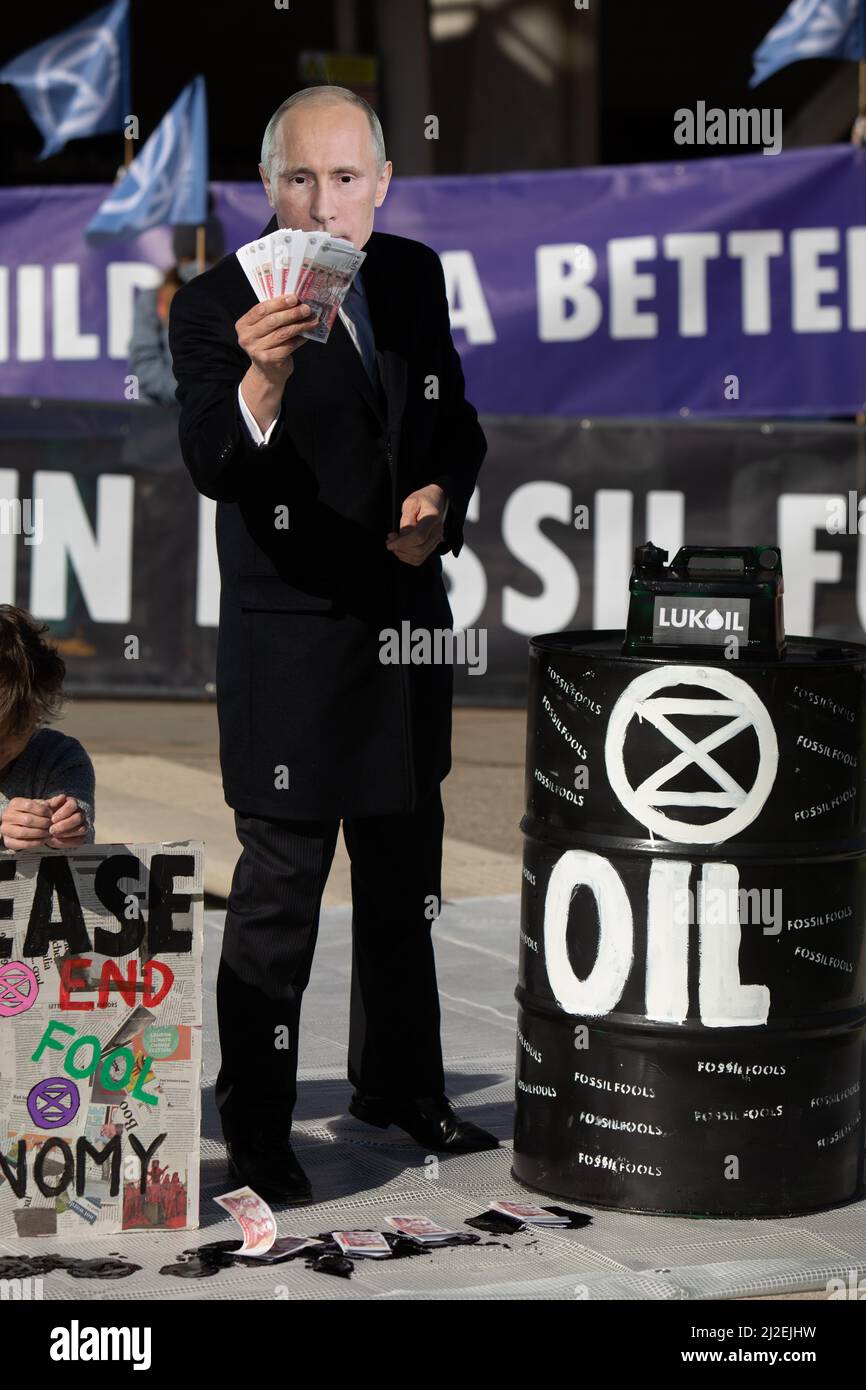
x,y
145,798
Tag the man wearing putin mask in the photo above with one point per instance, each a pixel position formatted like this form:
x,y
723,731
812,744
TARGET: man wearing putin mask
x,y
342,473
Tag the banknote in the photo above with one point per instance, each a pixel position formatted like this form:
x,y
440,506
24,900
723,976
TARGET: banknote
x,y
254,1217
257,264
282,1248
318,268
327,270
529,1212
362,1243
420,1228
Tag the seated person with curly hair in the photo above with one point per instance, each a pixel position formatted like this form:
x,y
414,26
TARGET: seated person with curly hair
x,y
46,777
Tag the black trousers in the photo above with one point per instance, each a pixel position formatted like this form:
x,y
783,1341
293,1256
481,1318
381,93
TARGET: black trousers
x,y
270,935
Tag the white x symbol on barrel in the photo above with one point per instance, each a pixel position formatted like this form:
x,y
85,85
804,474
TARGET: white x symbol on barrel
x,y
739,705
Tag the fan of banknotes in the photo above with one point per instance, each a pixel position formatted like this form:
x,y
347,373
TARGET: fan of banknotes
x,y
316,267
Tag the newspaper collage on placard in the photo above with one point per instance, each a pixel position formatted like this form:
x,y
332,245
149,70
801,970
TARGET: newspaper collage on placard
x,y
100,1039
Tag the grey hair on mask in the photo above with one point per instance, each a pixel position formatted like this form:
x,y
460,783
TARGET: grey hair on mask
x,y
318,93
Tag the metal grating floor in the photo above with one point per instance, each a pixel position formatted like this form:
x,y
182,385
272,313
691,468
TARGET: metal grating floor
x,y
363,1173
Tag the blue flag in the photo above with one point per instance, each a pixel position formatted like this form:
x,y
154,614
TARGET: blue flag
x,y
77,83
812,29
167,180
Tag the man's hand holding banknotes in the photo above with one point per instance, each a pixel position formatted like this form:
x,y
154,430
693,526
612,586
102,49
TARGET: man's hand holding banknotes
x,y
270,334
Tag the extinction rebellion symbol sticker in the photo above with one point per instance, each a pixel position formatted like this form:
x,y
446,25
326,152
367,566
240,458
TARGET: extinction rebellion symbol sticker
x,y
53,1103
728,698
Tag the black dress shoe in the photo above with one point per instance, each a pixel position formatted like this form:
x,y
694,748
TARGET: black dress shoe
x,y
430,1121
268,1165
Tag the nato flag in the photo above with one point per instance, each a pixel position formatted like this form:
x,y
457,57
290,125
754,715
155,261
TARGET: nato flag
x,y
812,29
77,83
167,180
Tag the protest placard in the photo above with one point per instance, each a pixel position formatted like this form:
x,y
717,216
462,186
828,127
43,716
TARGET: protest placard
x,y
100,1039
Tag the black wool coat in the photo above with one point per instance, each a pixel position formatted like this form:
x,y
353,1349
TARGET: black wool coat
x,y
312,723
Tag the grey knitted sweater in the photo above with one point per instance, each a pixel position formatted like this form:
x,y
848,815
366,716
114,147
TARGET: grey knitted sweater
x,y
50,763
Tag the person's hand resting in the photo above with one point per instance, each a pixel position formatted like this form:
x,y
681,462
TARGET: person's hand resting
x,y
68,824
56,821
421,525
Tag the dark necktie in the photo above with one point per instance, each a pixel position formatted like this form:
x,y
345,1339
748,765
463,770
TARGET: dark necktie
x,y
356,308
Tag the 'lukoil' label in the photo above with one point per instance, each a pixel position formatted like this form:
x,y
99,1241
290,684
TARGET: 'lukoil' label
x,y
690,620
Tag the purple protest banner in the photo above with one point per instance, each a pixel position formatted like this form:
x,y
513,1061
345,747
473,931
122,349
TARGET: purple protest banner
x,y
722,287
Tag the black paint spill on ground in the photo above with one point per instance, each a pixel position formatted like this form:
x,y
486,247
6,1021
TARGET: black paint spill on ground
x,y
192,1269
206,1260
576,1219
496,1223
402,1247
333,1262
202,1261
27,1266
413,1247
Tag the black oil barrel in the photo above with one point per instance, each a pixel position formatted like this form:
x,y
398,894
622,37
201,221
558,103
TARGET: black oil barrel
x,y
692,983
